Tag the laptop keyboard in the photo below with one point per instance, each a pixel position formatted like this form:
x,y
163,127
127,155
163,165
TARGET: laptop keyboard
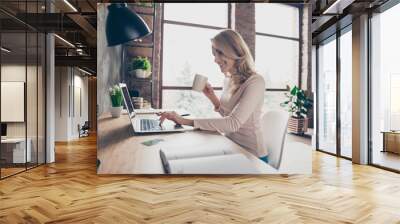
x,y
149,124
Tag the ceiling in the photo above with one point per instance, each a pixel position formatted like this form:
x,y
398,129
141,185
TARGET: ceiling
x,y
73,20
325,21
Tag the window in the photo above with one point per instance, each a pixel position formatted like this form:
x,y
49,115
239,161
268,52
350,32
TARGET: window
x,y
385,85
217,14
327,95
183,56
277,49
334,93
187,51
346,93
394,101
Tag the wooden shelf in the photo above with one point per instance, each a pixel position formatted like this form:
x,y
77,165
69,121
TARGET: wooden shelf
x,y
143,10
146,45
135,79
145,49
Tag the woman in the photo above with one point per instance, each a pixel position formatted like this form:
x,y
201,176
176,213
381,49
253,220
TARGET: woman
x,y
241,101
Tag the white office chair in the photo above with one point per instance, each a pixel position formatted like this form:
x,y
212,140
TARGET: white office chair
x,y
274,133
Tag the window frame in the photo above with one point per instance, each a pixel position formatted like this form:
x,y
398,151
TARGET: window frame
x,y
380,9
333,37
299,40
180,23
229,25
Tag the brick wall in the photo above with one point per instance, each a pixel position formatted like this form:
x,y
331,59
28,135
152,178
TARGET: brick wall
x,y
157,57
244,23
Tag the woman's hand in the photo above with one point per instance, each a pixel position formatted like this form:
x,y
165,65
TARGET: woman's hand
x,y
209,91
210,94
173,116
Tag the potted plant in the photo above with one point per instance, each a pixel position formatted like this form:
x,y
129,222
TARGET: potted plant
x,y
141,67
116,100
298,104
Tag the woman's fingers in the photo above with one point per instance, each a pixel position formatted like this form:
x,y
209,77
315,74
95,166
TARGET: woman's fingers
x,y
208,90
167,115
162,117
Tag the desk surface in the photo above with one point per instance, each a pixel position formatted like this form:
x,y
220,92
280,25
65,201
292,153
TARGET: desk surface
x,y
122,152
14,140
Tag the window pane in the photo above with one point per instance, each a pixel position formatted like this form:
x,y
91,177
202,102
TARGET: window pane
x,y
327,97
385,78
394,101
273,100
187,51
267,15
346,94
194,13
278,61
193,102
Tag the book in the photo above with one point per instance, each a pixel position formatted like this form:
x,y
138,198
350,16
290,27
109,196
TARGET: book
x,y
206,159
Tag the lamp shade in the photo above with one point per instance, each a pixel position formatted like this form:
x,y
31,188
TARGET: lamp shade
x,y
124,25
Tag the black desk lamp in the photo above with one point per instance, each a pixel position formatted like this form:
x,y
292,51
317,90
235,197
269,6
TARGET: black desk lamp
x,y
124,25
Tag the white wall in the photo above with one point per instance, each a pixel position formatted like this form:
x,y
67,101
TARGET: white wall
x,y
16,73
80,118
61,103
67,115
33,126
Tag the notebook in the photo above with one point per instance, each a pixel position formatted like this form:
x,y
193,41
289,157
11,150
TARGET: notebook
x,y
205,160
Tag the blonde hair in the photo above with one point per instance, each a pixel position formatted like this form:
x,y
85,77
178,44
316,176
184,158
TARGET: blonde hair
x,y
230,44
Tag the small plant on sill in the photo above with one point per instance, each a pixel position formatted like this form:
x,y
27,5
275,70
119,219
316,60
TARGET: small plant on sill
x,y
141,67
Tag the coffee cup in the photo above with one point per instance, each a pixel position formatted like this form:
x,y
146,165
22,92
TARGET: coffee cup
x,y
199,82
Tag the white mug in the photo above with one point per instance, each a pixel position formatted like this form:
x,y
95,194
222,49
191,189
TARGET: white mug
x,y
199,83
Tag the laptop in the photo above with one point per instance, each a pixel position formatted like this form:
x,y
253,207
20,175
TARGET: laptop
x,y
148,123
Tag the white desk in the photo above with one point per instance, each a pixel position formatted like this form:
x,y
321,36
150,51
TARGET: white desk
x,y
18,149
121,152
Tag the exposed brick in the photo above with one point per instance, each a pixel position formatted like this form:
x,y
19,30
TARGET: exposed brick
x,y
245,23
157,58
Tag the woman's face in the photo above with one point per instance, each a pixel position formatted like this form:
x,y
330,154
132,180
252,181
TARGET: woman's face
x,y
225,64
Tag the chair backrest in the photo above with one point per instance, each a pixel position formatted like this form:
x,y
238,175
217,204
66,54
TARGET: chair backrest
x,y
274,133
86,125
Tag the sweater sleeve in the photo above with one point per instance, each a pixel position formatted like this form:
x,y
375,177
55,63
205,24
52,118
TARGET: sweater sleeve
x,y
220,110
246,105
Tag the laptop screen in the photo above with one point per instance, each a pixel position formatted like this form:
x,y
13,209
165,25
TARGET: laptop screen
x,y
127,99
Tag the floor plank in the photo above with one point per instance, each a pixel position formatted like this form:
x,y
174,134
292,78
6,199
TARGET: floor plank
x,y
70,191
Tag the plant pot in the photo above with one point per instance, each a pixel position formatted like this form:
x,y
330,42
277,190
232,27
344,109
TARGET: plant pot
x,y
297,125
140,73
116,111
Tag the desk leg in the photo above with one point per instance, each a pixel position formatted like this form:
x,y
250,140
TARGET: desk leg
x,y
384,143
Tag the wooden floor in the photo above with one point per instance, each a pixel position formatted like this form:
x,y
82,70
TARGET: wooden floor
x,y
69,191
10,171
